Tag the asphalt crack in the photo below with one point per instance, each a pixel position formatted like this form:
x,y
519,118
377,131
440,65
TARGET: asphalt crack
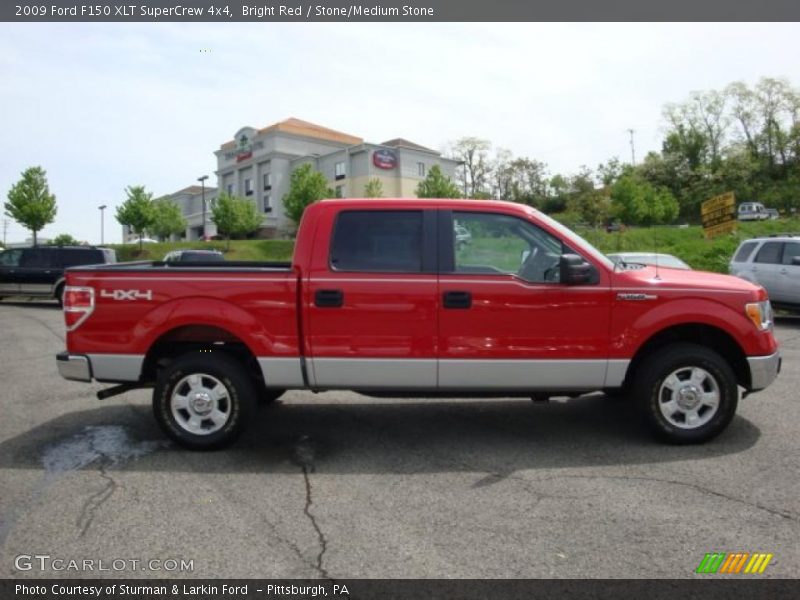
x,y
773,511
323,542
96,500
57,334
303,456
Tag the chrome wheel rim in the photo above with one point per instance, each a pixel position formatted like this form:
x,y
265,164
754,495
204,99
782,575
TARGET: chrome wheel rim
x,y
200,404
689,397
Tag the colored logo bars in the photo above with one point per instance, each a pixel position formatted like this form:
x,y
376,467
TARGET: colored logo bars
x,y
734,563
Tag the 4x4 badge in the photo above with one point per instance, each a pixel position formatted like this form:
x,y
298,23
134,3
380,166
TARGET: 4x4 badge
x,y
622,296
127,294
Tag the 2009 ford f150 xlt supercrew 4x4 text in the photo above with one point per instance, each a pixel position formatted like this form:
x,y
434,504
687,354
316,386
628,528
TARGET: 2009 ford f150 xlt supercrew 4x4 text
x,y
381,298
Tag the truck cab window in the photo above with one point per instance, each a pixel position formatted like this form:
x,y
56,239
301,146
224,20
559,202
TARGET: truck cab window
x,y
491,243
379,241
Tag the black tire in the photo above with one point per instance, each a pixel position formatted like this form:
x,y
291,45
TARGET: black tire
x,y
270,395
211,370
713,377
59,295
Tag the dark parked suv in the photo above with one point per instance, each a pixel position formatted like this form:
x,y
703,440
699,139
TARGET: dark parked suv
x,y
39,271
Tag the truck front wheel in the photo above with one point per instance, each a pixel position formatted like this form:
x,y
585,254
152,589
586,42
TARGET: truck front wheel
x,y
203,401
687,393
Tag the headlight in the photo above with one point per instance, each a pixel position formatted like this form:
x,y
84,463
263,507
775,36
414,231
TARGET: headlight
x,y
760,313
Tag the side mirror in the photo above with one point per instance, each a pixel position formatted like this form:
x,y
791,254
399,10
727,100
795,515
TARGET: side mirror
x,y
796,260
575,270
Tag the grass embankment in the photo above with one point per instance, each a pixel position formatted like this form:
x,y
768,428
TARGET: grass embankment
x,y
266,250
687,244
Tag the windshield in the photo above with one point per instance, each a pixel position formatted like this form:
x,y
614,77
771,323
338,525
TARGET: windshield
x,y
574,239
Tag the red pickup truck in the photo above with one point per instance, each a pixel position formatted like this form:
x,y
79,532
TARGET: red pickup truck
x,y
423,297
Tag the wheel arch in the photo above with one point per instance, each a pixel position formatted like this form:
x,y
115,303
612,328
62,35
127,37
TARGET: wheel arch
x,y
702,334
186,339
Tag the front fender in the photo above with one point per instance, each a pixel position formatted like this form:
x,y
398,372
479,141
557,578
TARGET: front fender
x,y
631,331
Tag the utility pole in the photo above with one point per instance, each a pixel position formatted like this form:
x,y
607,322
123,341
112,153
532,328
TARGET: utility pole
x,y
633,152
202,181
5,231
102,224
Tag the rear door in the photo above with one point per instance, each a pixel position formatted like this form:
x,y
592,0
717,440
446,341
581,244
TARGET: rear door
x,y
370,301
9,271
38,271
506,322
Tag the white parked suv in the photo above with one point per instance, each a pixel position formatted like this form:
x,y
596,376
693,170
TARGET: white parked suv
x,y
774,263
752,211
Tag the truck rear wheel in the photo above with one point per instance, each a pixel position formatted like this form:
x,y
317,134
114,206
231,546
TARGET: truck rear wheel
x,y
203,401
687,393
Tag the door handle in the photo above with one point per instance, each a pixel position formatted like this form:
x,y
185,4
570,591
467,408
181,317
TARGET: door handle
x,y
329,298
784,272
457,300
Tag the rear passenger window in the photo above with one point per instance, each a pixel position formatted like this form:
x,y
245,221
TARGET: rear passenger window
x,y
37,258
770,253
790,250
74,257
744,252
378,241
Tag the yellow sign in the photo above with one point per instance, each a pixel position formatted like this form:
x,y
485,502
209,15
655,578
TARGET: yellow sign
x,y
718,215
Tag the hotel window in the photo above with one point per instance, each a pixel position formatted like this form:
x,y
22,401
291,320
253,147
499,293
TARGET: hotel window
x,y
267,181
267,203
421,169
248,187
340,191
339,170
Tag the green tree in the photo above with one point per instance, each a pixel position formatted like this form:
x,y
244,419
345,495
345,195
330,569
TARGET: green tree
x,y
249,218
30,202
235,217
437,185
590,203
64,239
306,186
475,168
636,202
137,211
167,218
373,189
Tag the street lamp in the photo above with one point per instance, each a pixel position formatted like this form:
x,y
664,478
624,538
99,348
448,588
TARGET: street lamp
x,y
202,181
102,208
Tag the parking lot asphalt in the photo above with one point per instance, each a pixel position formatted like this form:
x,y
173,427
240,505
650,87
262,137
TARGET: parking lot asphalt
x,y
344,486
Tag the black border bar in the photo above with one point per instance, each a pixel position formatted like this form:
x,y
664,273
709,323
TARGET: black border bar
x,y
700,588
410,11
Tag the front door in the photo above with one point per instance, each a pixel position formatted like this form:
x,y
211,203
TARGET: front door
x,y
9,267
506,322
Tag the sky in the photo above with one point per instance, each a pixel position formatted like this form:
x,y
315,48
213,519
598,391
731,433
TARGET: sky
x,y
104,106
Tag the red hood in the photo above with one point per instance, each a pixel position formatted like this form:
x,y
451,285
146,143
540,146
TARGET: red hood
x,y
663,277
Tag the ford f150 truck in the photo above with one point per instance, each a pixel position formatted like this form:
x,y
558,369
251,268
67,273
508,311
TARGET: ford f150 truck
x,y
385,298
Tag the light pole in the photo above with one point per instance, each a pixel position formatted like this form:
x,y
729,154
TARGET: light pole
x,y
202,181
102,208
633,152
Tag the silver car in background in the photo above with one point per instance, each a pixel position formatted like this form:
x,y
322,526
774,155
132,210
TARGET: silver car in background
x,y
774,263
